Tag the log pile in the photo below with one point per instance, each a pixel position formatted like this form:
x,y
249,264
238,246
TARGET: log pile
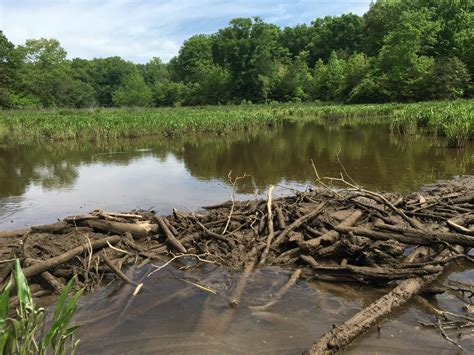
x,y
333,234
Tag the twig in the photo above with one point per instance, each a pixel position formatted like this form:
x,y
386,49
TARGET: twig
x,y
440,326
232,197
199,257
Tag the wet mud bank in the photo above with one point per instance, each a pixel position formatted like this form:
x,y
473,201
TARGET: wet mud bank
x,y
401,245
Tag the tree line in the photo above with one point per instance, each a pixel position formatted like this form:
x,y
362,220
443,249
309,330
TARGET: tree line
x,y
399,50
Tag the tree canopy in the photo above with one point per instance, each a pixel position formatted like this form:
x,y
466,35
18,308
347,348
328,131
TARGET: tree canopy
x,y
400,50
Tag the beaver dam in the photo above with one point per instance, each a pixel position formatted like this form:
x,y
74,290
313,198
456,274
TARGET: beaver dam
x,y
399,245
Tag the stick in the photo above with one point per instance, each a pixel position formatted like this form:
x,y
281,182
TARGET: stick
x,y
63,258
215,235
271,232
171,238
281,238
332,235
459,228
52,281
116,270
280,217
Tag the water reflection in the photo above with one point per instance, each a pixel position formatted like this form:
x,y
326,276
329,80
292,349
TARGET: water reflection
x,y
41,183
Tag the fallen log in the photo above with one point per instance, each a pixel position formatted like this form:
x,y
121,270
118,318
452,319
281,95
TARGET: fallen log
x,y
63,258
411,237
373,274
137,230
169,236
342,335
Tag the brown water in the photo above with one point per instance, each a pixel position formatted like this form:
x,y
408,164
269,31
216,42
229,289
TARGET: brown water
x,y
42,183
172,317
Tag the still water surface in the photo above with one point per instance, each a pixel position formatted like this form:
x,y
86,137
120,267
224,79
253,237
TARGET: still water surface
x,y
42,183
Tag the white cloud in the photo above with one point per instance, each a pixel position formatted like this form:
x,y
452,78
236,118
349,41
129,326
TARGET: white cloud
x,y
140,29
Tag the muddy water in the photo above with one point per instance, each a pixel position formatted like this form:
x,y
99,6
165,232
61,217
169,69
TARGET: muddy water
x,y
42,183
39,184
170,316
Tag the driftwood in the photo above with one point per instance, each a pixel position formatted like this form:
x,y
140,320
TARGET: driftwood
x,y
115,269
60,259
137,230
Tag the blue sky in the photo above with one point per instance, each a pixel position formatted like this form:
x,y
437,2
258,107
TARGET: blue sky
x,y
138,30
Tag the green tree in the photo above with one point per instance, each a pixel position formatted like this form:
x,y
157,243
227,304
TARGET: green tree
x,y
343,34
296,81
296,39
133,91
355,71
107,76
328,78
195,53
9,64
448,79
406,71
154,71
44,72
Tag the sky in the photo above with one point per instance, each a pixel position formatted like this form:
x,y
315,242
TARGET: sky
x,y
139,30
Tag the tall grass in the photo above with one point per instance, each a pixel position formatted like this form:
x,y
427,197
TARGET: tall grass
x,y
452,119
24,332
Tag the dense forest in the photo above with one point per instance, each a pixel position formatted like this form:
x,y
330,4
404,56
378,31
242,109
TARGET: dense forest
x,y
400,50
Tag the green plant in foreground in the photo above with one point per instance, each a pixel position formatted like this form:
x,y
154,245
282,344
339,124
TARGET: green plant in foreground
x,y
25,332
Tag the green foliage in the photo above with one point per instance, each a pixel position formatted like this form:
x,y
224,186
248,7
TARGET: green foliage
x,y
9,63
449,79
328,78
400,50
453,119
25,332
133,92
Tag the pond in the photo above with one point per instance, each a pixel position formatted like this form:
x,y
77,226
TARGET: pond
x,y
43,183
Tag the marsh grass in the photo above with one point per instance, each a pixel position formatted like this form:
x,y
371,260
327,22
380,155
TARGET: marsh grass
x,y
451,119
25,332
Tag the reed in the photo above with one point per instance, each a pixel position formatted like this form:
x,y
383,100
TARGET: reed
x,y
24,332
452,119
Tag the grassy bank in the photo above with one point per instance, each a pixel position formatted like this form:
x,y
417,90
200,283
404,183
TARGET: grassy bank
x,y
453,119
